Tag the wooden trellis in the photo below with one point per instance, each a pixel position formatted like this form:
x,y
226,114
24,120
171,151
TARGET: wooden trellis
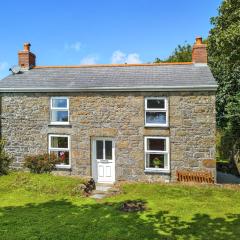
x,y
194,176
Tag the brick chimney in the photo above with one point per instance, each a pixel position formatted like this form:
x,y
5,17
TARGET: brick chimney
x,y
199,52
26,59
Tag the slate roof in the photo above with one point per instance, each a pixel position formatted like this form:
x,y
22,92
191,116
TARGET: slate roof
x,y
112,77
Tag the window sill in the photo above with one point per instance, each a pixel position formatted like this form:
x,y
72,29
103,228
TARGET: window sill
x,y
60,125
156,171
156,126
62,167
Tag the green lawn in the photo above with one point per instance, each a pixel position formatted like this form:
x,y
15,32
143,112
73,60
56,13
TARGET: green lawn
x,y
50,207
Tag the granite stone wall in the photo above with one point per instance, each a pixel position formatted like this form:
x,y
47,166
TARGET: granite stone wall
x,y
26,125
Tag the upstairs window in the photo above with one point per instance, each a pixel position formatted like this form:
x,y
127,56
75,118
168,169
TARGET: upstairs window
x,y
156,112
157,154
59,110
60,146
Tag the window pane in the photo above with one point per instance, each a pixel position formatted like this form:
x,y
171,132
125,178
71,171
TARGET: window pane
x,y
59,116
108,150
59,142
156,103
59,102
99,149
156,117
63,157
156,160
156,144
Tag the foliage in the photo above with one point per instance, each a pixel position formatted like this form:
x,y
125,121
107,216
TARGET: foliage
x,y
224,60
182,53
174,211
228,155
157,162
41,163
5,159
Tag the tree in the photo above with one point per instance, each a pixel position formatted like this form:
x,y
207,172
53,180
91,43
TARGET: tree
x,y
182,53
224,61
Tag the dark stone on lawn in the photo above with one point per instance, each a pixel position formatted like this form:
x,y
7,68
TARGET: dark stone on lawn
x,y
89,186
133,206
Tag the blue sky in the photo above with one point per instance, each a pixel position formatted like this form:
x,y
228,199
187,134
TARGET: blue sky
x,y
85,32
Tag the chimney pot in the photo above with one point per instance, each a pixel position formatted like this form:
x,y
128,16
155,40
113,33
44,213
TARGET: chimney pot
x,y
27,46
198,40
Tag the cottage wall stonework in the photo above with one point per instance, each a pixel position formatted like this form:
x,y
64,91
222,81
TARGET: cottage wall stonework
x,y
26,125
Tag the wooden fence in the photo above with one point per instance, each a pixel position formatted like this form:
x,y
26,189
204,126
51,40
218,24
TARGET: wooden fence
x,y
192,176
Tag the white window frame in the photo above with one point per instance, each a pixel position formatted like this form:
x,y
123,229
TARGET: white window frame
x,y
50,148
167,151
164,110
59,109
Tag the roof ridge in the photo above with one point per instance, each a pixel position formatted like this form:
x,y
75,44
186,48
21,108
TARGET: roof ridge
x,y
115,65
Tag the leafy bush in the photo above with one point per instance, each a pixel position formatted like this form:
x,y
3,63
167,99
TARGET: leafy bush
x,y
42,163
5,159
228,151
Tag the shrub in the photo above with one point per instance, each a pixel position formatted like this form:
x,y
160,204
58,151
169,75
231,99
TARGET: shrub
x,y
41,163
228,151
5,159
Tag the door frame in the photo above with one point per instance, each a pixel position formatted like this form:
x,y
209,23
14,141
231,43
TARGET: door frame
x,y
94,160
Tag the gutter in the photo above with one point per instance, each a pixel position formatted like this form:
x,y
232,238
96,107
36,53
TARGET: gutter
x,y
115,89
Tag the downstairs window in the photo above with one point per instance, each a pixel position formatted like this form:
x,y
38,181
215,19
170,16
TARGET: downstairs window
x,y
157,154
60,146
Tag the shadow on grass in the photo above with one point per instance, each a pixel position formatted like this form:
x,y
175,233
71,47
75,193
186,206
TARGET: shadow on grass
x,y
64,220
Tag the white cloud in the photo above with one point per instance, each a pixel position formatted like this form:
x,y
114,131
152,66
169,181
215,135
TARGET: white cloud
x,y
133,58
74,46
3,65
121,57
89,60
118,57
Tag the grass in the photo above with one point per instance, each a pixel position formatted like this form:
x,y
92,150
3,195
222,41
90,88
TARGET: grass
x,y
50,207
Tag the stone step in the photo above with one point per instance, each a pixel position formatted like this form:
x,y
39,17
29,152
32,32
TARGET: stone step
x,y
98,196
99,192
103,188
105,184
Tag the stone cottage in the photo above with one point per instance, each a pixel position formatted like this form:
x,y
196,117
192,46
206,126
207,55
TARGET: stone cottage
x,y
113,122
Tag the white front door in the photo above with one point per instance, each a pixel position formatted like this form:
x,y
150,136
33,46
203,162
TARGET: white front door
x,y
103,161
